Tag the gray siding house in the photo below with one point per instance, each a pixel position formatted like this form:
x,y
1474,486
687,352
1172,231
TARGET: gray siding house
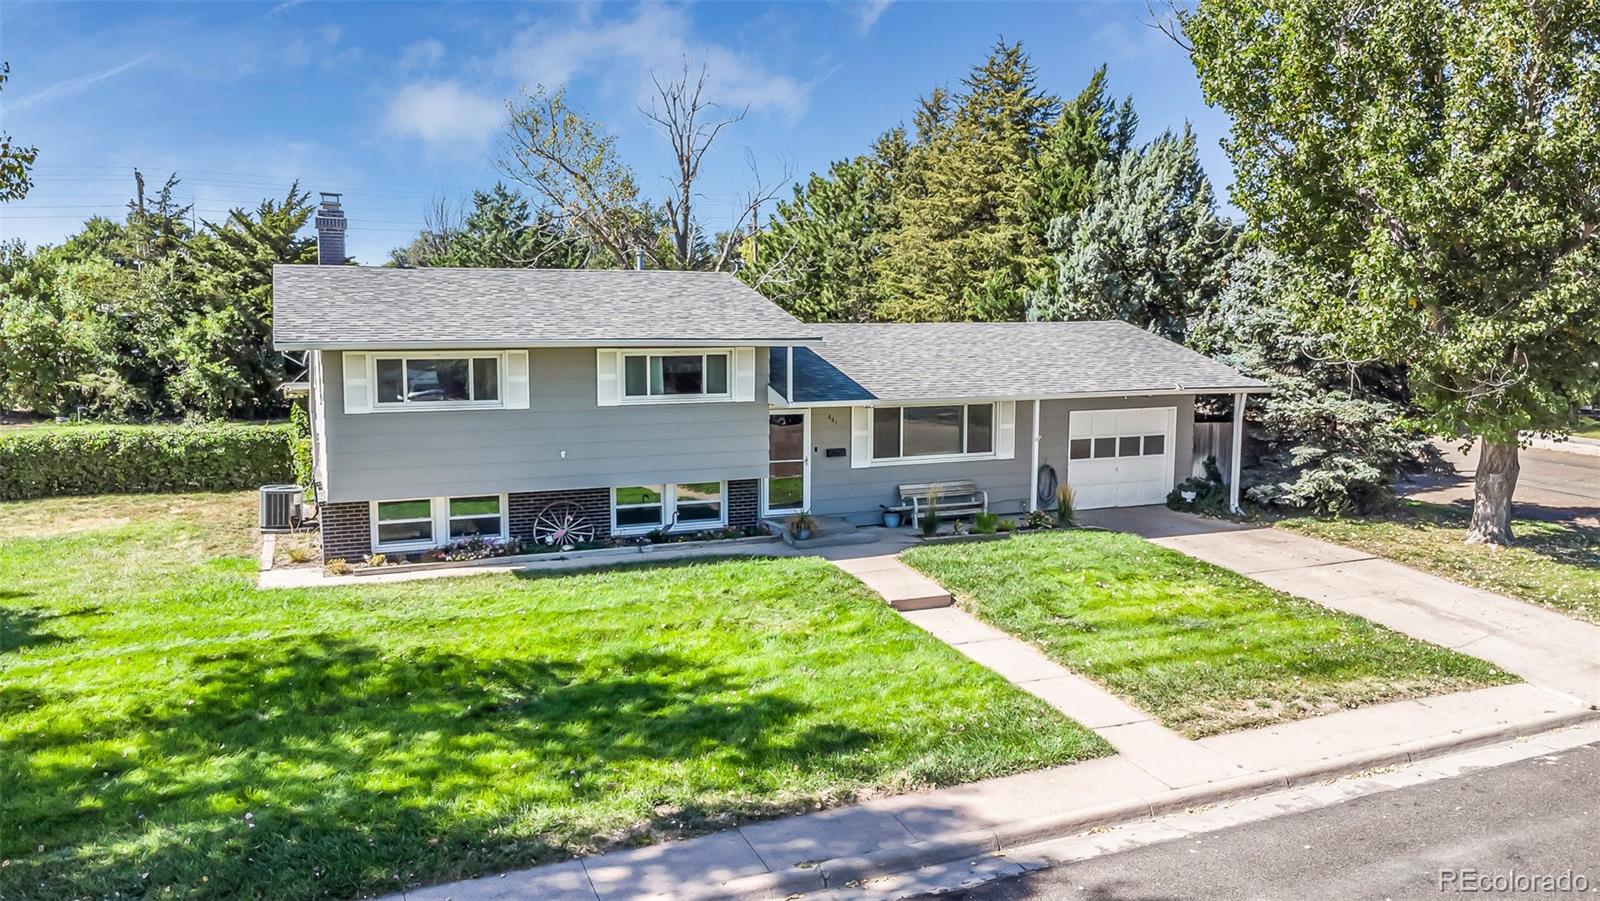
x,y
455,402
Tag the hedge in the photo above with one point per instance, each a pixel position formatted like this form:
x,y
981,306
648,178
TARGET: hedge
x,y
112,460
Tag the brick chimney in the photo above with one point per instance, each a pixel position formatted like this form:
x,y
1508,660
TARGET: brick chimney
x,y
330,231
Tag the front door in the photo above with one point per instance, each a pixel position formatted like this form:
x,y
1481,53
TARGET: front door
x,y
787,488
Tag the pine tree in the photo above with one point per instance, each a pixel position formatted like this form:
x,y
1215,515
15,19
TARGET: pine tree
x,y
1149,249
964,247
817,257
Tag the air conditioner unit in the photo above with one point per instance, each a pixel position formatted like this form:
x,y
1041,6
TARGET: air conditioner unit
x,y
281,507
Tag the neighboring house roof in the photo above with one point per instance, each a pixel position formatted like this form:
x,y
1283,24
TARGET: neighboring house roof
x,y
381,307
956,360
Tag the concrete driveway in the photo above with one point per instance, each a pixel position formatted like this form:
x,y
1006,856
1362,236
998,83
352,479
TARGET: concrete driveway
x,y
1545,648
1553,485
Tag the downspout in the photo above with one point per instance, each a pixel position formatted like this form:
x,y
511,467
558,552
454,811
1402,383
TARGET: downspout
x,y
1234,465
1033,488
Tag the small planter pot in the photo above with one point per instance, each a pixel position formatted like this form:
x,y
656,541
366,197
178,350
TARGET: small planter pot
x,y
801,534
891,519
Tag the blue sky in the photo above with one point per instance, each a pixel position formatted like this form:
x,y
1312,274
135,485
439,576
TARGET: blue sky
x,y
394,104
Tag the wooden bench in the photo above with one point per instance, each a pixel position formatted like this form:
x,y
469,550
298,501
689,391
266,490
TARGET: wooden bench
x,y
951,499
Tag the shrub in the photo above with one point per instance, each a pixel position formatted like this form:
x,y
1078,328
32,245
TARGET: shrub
x,y
930,520
986,523
1066,509
111,460
300,449
1006,525
1040,519
1210,494
339,566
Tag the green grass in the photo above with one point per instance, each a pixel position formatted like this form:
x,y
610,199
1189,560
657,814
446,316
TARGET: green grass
x,y
1587,428
1551,564
166,730
1202,649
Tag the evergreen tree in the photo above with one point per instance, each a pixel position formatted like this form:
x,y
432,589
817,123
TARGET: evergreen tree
x,y
222,356
964,247
816,258
501,231
1149,249
1331,436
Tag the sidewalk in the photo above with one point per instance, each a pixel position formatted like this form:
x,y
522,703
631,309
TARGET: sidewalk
x,y
835,847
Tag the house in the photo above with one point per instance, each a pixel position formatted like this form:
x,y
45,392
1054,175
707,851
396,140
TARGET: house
x,y
456,402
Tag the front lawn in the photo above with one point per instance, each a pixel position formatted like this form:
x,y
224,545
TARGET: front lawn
x,y
1555,565
167,730
1202,649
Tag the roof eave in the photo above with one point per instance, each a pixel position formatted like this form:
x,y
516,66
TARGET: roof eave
x,y
291,344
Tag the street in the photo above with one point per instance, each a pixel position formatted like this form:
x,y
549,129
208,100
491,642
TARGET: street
x,y
1553,485
1535,817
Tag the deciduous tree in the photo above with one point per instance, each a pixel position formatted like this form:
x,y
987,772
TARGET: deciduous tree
x,y
1434,168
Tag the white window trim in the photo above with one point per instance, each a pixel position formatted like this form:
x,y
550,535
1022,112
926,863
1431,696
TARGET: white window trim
x,y
992,453
422,406
702,352
439,515
669,509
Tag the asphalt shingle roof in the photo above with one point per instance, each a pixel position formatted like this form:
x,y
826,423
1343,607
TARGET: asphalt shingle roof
x,y
954,360
368,306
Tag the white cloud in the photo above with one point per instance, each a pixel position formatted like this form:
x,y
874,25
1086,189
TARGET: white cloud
x,y
868,12
444,115
1119,44
423,54
620,55
71,87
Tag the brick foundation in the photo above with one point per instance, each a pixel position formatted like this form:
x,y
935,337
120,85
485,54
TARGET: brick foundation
x,y
744,502
596,504
346,531
347,527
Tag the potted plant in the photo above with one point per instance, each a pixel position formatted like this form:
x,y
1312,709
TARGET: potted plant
x,y
800,526
891,518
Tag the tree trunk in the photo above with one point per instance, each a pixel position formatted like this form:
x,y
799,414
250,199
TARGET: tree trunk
x,y
1492,488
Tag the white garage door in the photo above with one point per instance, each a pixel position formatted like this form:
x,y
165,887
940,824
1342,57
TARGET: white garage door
x,y
1121,458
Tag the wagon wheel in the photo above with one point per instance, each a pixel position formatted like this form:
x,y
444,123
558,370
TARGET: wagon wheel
x,y
563,524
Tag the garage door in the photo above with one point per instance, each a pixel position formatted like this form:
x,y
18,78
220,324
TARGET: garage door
x,y
1121,458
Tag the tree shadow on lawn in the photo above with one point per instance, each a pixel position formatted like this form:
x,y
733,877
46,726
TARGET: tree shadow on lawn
x,y
324,766
20,627
1562,541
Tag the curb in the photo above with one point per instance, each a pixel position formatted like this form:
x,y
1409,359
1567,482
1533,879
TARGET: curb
x,y
1576,444
840,871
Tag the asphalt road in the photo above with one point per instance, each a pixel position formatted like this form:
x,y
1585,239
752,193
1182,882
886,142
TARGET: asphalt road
x,y
1551,485
1538,816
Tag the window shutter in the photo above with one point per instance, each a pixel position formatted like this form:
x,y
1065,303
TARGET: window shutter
x,y
1005,439
860,437
516,390
608,378
357,384
744,373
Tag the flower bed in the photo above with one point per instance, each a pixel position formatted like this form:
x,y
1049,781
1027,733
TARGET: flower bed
x,y
471,550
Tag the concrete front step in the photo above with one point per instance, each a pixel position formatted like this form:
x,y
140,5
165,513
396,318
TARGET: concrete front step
x,y
903,587
829,532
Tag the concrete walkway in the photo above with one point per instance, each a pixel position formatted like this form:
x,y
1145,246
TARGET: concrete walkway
x,y
1164,755
1547,649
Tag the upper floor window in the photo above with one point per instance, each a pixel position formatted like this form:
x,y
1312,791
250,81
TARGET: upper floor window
x,y
669,375
427,379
